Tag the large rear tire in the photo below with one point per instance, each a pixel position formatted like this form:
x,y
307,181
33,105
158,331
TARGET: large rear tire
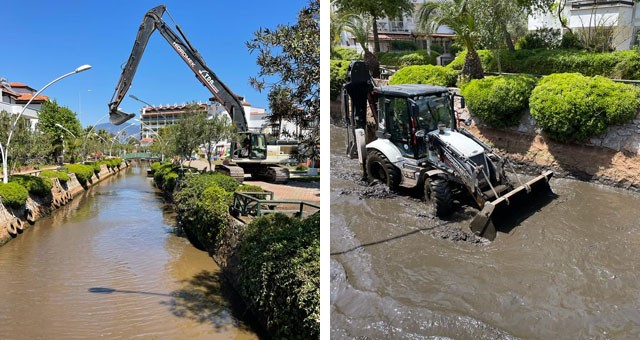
x,y
380,168
437,194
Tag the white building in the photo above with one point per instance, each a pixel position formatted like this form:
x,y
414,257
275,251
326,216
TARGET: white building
x,y
405,28
622,16
16,95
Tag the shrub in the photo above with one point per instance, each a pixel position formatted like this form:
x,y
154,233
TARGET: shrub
x,y
188,194
13,194
572,107
211,214
249,188
228,183
338,76
345,53
499,101
34,185
419,57
279,269
96,166
425,74
155,166
458,62
548,38
166,176
83,172
62,176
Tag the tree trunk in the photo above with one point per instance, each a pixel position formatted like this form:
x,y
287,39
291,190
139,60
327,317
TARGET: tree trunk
x,y
472,66
372,63
507,37
376,41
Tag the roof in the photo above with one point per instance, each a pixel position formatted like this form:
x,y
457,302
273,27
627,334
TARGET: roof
x,y
411,90
21,85
25,97
146,140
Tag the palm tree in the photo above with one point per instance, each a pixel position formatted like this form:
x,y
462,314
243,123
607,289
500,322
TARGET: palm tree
x,y
359,25
337,22
458,16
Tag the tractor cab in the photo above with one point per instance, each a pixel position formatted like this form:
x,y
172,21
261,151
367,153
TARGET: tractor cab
x,y
408,112
251,146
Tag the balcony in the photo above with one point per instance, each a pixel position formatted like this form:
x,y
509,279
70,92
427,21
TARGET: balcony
x,y
584,4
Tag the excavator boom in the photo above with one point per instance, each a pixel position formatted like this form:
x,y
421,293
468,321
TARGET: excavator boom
x,y
153,21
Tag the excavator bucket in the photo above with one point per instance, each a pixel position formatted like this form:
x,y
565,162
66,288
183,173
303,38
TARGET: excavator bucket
x,y
118,117
513,207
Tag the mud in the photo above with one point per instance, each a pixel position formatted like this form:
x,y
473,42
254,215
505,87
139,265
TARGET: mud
x,y
567,271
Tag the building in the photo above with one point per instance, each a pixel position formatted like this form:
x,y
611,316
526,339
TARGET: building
x,y
620,17
16,95
406,28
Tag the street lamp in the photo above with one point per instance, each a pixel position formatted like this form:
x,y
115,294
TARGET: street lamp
x,y
5,149
65,129
89,132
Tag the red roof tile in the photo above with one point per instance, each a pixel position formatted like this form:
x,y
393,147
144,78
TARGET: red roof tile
x,y
25,97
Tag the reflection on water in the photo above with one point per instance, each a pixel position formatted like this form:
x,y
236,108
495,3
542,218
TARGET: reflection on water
x,y
569,271
108,265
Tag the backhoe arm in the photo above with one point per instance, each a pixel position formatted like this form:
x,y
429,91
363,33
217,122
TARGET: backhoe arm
x,y
152,21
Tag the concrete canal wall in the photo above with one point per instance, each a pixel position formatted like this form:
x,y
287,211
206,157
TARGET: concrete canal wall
x,y
14,221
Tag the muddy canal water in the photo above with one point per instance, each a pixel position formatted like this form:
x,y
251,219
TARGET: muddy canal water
x,y
570,271
108,265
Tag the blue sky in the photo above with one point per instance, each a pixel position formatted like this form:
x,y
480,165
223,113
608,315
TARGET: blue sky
x,y
44,39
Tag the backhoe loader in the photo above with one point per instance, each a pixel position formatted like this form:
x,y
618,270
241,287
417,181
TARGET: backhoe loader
x,y
417,143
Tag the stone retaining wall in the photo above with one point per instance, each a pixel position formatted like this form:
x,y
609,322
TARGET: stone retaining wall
x,y
14,221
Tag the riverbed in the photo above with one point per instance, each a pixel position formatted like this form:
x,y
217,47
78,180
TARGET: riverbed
x,y
109,265
568,271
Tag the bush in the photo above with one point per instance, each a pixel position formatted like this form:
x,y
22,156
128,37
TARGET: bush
x,y
572,107
249,188
499,101
166,176
403,45
34,185
83,172
345,53
419,57
13,194
62,176
425,74
338,76
227,183
155,166
548,38
211,214
279,269
96,166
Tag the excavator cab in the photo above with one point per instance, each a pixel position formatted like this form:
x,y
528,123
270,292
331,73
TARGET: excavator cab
x,y
251,146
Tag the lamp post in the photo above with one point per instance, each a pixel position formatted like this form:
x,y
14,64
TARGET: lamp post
x,y
62,137
93,127
5,149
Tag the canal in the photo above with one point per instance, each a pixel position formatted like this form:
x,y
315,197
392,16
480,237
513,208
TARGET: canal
x,y
569,271
109,265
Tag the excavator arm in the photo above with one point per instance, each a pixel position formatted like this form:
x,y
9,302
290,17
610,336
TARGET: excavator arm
x,y
152,21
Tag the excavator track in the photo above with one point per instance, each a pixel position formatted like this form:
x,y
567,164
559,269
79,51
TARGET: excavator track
x,y
273,174
231,170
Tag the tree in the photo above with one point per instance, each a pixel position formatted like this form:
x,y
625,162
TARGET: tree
x,y
459,16
189,131
216,129
337,21
50,115
376,9
291,54
359,25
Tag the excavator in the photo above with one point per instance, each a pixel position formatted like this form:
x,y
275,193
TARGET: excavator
x,y
252,158
408,136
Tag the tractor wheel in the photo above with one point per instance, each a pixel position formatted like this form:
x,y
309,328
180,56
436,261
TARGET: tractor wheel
x,y
437,193
380,168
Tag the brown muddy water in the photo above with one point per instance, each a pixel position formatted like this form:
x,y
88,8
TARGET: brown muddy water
x,y
570,271
108,265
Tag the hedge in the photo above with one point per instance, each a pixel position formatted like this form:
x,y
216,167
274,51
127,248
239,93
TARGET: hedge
x,y
338,76
13,194
617,64
345,53
165,176
499,101
95,165
401,59
572,107
34,185
83,172
425,74
279,269
62,176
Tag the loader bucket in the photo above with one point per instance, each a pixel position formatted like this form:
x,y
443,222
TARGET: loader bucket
x,y
513,207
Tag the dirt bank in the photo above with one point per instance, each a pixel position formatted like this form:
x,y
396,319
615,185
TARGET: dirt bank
x,y
584,162
14,221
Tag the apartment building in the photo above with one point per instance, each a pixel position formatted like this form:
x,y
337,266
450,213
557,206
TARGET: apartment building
x,y
622,17
16,95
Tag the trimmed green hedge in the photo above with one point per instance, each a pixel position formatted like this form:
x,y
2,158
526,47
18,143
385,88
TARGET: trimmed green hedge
x,y
13,194
425,74
616,65
62,176
34,185
338,76
419,57
166,175
95,165
83,172
279,269
345,53
499,101
249,188
572,107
